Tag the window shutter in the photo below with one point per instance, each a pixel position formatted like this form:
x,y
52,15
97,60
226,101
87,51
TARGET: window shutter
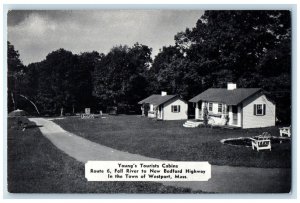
x,y
254,109
264,109
178,108
172,108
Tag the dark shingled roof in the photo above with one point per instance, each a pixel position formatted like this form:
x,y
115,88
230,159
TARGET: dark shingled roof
x,y
222,95
157,99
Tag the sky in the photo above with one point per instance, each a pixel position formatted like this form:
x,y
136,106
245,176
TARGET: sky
x,y
37,33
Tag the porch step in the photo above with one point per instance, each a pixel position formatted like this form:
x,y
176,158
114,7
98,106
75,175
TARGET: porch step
x,y
192,124
189,125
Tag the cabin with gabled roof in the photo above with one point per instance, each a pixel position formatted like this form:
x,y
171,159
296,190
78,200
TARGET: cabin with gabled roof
x,y
237,107
164,107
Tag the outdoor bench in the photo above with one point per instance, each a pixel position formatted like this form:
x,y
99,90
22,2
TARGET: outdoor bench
x,y
285,131
87,116
261,144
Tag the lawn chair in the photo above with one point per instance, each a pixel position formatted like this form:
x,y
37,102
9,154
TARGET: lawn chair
x,y
285,131
261,142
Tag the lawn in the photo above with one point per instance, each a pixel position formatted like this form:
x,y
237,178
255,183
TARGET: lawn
x,y
169,140
35,165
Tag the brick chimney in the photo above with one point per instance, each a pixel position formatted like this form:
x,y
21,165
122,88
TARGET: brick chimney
x,y
231,86
163,93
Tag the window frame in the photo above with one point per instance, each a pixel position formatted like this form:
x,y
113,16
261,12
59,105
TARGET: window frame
x,y
177,108
220,108
263,109
210,106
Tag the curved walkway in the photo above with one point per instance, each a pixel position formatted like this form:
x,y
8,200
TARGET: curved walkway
x,y
225,179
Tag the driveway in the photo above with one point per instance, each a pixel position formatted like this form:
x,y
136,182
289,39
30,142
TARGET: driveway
x,y
224,179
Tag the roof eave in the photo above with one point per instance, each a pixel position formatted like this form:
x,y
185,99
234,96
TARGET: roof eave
x,y
193,100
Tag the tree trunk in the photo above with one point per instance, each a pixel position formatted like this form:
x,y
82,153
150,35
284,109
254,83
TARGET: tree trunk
x,y
61,111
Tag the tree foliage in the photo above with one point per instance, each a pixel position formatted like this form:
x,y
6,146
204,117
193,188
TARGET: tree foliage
x,y
120,77
15,76
250,48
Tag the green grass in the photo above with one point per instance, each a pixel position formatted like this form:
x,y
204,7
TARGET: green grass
x,y
35,165
168,140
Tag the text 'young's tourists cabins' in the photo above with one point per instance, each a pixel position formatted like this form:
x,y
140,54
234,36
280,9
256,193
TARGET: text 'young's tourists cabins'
x,y
164,107
236,107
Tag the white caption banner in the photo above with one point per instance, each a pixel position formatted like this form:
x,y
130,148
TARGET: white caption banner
x,y
147,171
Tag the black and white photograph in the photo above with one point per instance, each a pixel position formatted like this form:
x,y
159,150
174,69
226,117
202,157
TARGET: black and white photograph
x,y
149,101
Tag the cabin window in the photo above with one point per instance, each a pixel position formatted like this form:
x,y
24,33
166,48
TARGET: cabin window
x,y
259,109
219,108
175,108
210,106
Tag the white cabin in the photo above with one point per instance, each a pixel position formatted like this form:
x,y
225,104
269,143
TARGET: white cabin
x,y
164,107
237,107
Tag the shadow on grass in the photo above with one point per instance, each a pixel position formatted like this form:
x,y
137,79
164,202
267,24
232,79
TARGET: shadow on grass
x,y
33,126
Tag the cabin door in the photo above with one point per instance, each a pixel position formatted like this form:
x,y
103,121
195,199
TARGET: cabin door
x,y
160,112
234,115
146,109
200,113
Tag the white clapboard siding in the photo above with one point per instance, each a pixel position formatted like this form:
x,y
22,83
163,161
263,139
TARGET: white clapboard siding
x,y
255,121
169,115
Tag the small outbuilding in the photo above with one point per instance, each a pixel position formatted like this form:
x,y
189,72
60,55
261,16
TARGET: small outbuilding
x,y
237,107
164,107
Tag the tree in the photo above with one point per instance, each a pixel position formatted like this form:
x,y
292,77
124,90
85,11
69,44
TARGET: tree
x,y
56,81
251,48
15,75
82,87
169,72
240,36
120,77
